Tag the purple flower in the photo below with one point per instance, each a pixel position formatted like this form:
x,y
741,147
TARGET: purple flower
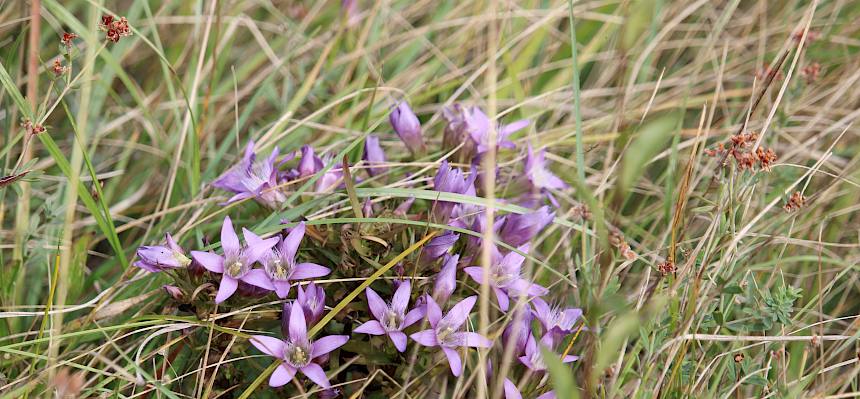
x,y
446,280
312,300
404,206
537,173
450,180
407,126
236,263
533,358
374,155
519,330
158,258
332,178
557,322
252,179
520,229
310,164
505,277
280,262
391,318
445,332
297,352
511,391
439,246
472,124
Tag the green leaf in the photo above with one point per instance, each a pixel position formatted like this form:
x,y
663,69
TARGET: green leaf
x,y
649,141
562,379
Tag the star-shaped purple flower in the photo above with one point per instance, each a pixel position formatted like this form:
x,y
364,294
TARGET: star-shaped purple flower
x,y
157,258
538,174
445,332
471,123
506,277
450,180
556,321
236,263
280,262
297,352
252,179
391,318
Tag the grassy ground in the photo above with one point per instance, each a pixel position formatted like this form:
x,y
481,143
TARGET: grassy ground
x,y
722,292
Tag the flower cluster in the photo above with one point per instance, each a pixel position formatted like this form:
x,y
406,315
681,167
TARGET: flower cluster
x,y
740,149
114,28
404,310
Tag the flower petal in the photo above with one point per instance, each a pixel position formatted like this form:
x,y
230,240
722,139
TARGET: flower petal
x,y
258,278
298,327
309,270
327,344
400,300
282,376
454,361
229,239
511,391
212,262
399,339
476,273
372,327
472,339
502,298
291,243
269,345
434,313
548,395
459,313
377,306
255,252
282,288
316,374
570,358
414,316
226,288
425,338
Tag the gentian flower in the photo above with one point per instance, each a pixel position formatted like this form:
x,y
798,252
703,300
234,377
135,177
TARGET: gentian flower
x,y
297,352
404,206
450,180
446,279
312,300
505,277
537,173
253,179
332,178
391,318
374,155
309,164
236,263
439,246
520,229
157,258
445,332
280,262
511,391
408,128
533,358
557,322
472,124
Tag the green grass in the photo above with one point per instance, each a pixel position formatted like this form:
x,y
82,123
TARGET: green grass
x,y
625,113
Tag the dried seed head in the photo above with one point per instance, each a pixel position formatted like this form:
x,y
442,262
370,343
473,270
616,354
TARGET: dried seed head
x,y
739,357
59,69
795,202
667,267
68,38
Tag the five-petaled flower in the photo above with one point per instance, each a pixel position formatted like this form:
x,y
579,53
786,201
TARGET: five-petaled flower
x,y
237,262
556,321
280,261
297,352
506,276
391,318
533,359
251,178
445,331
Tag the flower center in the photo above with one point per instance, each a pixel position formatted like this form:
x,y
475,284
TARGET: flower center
x,y
183,260
392,320
443,334
502,278
278,270
234,267
297,355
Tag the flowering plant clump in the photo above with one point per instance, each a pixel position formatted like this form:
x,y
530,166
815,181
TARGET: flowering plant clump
x,y
419,297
